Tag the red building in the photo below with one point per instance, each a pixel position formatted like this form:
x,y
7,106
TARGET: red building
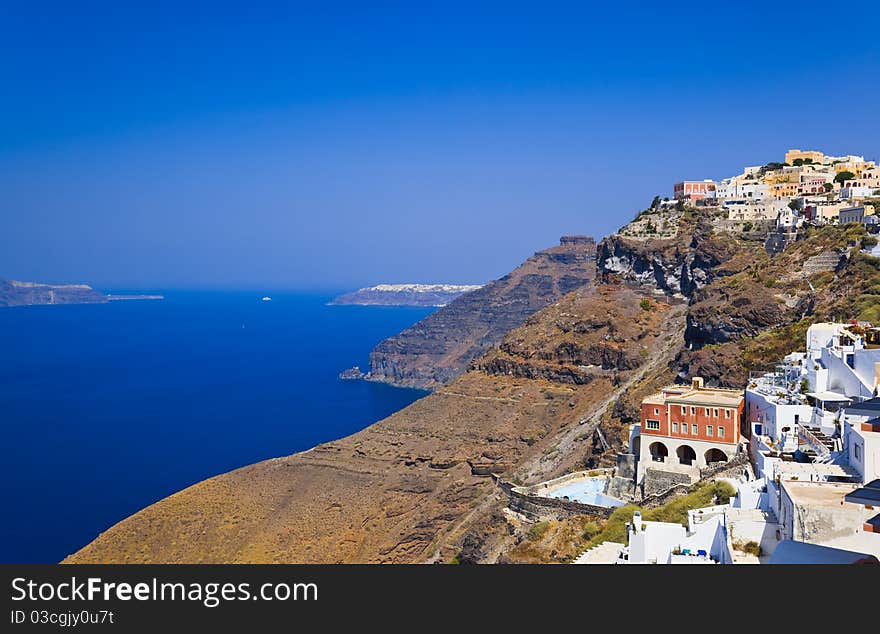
x,y
690,425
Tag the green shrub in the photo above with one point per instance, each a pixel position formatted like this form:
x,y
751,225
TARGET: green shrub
x,y
753,548
645,304
537,531
591,529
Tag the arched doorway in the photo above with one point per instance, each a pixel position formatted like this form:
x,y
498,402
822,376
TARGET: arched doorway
x,y
715,455
686,454
658,451
637,446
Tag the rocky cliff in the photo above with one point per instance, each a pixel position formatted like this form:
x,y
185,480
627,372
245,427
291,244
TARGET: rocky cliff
x,y
676,265
415,486
440,347
553,395
15,293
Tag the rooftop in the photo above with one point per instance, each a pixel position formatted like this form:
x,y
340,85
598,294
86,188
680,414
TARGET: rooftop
x,y
792,552
817,469
817,493
697,394
868,495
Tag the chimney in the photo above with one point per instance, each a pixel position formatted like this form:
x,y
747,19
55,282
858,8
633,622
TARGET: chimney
x,y
637,522
697,383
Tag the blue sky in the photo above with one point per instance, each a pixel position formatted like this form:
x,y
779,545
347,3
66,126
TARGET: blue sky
x,y
268,145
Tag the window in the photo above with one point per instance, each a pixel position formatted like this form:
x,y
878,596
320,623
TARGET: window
x,y
684,428
675,427
652,424
684,410
694,429
693,411
707,411
656,411
857,452
715,412
720,431
727,413
709,430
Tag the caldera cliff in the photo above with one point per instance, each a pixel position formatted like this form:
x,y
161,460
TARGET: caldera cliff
x,y
415,486
441,346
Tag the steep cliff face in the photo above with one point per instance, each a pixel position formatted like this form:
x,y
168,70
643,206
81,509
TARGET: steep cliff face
x,y
440,347
759,310
14,293
676,266
413,487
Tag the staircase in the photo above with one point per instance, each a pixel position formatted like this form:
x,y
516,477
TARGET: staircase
x,y
604,553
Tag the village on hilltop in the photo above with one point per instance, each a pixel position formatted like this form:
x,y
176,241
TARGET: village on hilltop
x,y
808,187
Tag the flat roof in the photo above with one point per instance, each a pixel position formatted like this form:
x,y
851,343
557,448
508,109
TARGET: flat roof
x,y
871,405
815,468
792,552
817,493
833,397
868,494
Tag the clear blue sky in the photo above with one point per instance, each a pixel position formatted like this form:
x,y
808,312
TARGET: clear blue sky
x,y
339,144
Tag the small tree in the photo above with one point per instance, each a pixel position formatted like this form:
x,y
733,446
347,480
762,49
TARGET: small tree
x,y
828,186
748,226
845,175
645,304
655,203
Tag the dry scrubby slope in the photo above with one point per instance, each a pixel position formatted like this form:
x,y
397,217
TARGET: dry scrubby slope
x,y
402,490
409,488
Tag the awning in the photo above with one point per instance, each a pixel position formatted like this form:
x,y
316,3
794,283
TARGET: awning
x,y
830,397
869,495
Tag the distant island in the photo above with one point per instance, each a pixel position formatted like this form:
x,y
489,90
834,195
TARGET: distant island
x,y
17,293
404,295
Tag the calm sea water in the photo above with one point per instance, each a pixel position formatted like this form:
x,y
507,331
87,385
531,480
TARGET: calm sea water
x,y
106,409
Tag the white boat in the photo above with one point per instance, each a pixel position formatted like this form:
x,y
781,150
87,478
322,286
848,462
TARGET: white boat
x,y
267,299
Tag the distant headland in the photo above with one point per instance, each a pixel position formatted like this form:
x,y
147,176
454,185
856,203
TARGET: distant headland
x,y
404,295
17,293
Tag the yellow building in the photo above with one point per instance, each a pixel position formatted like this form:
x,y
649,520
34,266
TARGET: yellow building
x,y
856,167
813,155
785,190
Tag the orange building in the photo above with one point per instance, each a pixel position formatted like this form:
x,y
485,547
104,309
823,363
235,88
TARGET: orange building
x,y
690,426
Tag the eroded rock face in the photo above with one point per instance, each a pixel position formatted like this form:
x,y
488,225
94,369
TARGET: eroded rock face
x,y
719,315
415,486
440,347
675,266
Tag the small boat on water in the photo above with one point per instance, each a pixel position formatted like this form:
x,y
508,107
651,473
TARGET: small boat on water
x,y
267,299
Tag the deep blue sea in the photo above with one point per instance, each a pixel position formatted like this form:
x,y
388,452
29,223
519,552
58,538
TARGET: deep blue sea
x,y
105,409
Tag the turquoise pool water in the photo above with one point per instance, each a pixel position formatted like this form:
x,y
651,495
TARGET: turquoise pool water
x,y
586,491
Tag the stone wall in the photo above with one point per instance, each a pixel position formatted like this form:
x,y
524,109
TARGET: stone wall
x,y
622,485
734,467
657,481
540,508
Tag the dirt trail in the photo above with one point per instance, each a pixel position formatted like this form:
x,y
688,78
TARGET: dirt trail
x,y
659,358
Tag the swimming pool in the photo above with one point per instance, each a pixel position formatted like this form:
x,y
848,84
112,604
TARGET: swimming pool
x,y
586,491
